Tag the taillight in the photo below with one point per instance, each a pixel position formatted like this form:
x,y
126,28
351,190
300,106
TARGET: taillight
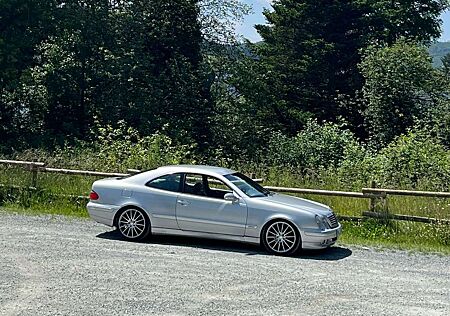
x,y
94,196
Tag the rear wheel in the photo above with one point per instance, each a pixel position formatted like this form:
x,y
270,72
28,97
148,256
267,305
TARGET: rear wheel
x,y
281,238
133,224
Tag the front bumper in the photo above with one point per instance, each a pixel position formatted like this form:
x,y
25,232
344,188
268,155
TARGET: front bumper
x,y
320,239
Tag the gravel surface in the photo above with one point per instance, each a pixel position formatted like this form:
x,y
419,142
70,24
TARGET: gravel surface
x,y
61,266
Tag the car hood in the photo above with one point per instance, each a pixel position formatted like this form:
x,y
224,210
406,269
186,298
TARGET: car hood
x,y
298,203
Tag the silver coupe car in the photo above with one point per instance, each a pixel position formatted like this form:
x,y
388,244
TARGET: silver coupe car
x,y
211,202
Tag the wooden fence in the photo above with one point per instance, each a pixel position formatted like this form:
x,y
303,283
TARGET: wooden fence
x,y
375,196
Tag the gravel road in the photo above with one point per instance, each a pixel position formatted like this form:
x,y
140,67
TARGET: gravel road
x,y
62,266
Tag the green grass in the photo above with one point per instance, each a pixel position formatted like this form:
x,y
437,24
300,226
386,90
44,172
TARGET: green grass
x,y
56,209
394,234
41,202
398,235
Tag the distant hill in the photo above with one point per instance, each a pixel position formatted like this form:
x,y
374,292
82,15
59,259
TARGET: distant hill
x,y
437,51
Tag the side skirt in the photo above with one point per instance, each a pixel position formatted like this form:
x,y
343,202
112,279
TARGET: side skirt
x,y
178,232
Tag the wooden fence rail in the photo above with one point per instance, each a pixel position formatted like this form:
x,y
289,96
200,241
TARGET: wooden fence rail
x,y
320,192
83,172
40,167
375,195
406,192
21,163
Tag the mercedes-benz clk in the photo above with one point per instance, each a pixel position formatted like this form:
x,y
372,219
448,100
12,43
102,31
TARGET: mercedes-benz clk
x,y
211,202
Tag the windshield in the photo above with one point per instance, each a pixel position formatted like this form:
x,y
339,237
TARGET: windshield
x,y
247,185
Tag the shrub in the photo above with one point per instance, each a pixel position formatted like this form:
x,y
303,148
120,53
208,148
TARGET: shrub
x,y
121,148
316,147
412,160
415,159
114,149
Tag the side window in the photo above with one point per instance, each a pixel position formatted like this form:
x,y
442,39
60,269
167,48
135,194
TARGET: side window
x,y
170,182
205,186
217,185
193,184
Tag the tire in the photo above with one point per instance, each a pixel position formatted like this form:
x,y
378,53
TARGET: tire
x,y
281,237
133,224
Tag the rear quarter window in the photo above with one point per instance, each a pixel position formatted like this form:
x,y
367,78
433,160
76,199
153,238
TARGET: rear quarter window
x,y
169,182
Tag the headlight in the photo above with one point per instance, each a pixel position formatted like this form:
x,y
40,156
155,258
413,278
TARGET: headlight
x,y
321,222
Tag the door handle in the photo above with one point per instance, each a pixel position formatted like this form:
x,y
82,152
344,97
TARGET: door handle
x,y
183,202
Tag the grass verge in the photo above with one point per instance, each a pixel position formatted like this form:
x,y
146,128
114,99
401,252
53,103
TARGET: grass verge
x,y
398,235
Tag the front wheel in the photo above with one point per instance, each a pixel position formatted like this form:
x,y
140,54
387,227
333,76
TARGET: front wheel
x,y
281,238
133,224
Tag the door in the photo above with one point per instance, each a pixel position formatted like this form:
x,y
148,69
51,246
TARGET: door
x,y
201,207
159,197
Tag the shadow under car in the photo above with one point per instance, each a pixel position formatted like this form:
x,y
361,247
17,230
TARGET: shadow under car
x,y
329,254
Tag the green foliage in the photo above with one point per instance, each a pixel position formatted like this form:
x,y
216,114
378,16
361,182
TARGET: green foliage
x,y
400,87
416,20
139,61
446,64
414,160
177,66
123,147
20,32
218,19
304,62
311,49
114,149
316,147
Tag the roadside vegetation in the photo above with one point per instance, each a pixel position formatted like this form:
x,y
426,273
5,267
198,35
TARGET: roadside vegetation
x,y
332,97
324,157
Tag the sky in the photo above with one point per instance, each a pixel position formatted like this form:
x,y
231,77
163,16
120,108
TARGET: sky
x,y
247,30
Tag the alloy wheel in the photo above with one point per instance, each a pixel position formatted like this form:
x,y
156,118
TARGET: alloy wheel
x,y
132,224
281,237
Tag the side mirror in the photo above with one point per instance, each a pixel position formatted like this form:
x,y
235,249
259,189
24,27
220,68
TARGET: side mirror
x,y
230,197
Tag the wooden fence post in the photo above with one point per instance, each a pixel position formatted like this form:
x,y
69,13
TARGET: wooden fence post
x,y
34,172
34,168
373,199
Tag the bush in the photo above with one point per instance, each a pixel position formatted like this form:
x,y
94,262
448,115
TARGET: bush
x,y
413,160
114,149
121,148
316,147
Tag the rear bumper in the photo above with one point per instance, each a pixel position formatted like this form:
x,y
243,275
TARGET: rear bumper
x,y
102,213
317,239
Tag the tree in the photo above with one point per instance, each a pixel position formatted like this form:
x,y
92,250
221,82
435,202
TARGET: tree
x,y
446,65
401,87
308,59
163,85
140,61
309,50
392,20
218,19
73,68
23,24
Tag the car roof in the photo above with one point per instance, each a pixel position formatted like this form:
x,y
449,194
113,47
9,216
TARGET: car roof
x,y
145,176
196,168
